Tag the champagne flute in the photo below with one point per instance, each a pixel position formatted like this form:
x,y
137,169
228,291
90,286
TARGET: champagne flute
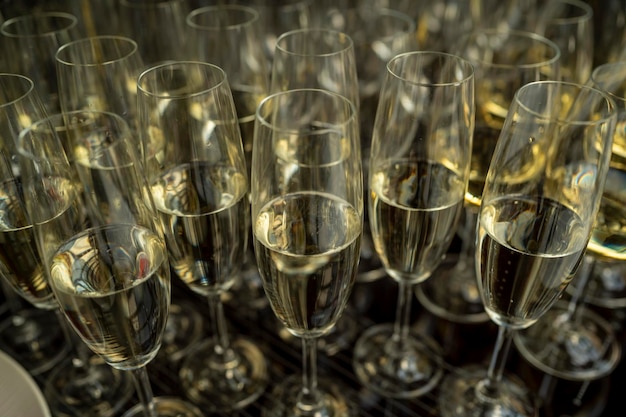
x,y
315,58
216,32
201,193
570,341
419,168
158,27
307,208
503,60
100,73
541,198
32,40
569,24
77,385
109,272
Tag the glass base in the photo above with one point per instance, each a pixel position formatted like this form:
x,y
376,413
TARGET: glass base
x,y
96,390
339,337
579,348
224,382
460,395
182,332
167,407
35,339
284,401
382,368
452,293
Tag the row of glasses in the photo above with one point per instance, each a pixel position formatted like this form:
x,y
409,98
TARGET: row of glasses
x,y
79,384
101,243
503,60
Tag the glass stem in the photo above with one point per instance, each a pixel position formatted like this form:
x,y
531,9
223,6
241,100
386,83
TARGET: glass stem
x,y
498,362
309,398
144,391
403,315
220,328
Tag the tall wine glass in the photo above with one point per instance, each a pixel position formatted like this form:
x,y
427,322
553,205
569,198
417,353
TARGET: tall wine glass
x,y
419,167
201,193
101,243
307,208
571,341
569,24
280,16
315,58
541,198
100,73
158,27
77,385
32,40
503,61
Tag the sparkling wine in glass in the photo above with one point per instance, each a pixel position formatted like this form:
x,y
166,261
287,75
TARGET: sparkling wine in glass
x,y
307,208
535,220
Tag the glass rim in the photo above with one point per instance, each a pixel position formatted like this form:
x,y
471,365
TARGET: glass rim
x,y
608,114
146,4
607,67
460,60
249,11
317,91
91,40
27,90
174,64
522,35
585,15
399,15
349,44
73,21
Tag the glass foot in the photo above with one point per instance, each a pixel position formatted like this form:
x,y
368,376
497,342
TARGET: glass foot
x,y
339,337
397,373
452,293
228,381
34,339
578,348
167,407
460,395
182,332
284,401
96,390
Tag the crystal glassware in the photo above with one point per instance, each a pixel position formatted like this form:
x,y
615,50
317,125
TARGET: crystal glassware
x,y
200,188
307,208
535,220
418,173
571,341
